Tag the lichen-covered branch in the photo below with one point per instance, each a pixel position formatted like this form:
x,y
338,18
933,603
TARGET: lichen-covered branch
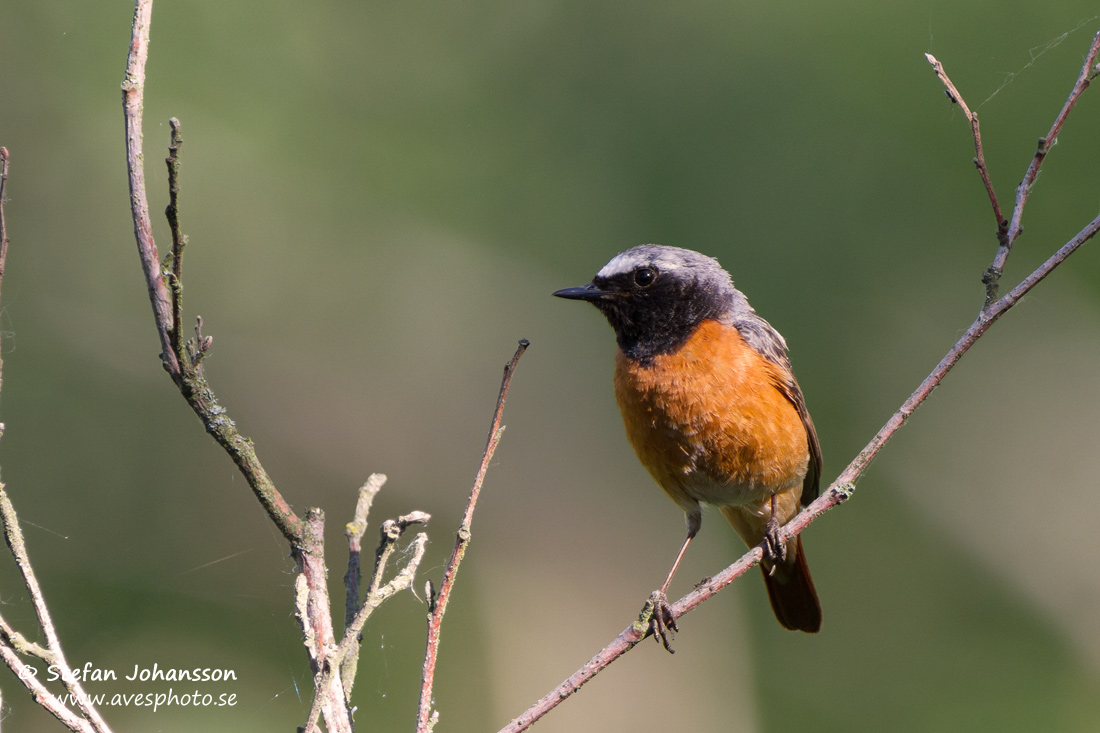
x,y
183,362
336,666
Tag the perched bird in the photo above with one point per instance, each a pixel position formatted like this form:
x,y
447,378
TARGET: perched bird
x,y
712,409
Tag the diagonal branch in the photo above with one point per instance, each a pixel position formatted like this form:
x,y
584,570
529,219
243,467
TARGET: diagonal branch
x,y
438,603
841,489
1089,70
43,696
12,643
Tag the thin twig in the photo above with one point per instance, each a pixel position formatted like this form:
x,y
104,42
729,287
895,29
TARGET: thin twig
x,y
133,91
979,159
841,489
354,532
347,656
22,644
4,159
13,535
1015,227
174,269
438,604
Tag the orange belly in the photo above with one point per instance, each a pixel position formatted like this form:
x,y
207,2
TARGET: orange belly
x,y
710,425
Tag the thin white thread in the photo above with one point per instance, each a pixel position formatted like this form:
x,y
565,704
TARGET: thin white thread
x,y
1033,55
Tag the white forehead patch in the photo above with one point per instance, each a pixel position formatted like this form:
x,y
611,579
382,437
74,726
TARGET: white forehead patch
x,y
664,259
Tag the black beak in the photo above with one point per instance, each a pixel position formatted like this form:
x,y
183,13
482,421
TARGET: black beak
x,y
585,292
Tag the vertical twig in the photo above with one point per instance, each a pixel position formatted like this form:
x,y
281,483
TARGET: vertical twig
x,y
174,270
3,229
438,604
354,532
3,235
133,91
315,618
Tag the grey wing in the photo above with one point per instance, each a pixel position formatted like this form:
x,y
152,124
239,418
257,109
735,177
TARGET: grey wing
x,y
760,335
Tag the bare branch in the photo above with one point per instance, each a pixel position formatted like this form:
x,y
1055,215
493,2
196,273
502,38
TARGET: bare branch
x,y
174,264
183,361
345,657
14,537
354,532
133,91
979,159
438,604
348,653
12,640
22,644
1015,227
315,617
42,696
3,229
184,364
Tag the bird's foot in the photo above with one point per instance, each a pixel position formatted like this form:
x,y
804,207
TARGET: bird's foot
x,y
775,549
657,617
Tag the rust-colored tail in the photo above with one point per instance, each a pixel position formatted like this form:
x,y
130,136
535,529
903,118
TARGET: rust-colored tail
x,y
791,591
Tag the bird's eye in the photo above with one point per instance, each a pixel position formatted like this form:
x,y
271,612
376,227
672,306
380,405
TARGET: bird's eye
x,y
644,276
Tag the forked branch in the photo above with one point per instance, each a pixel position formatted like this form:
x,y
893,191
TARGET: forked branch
x,y
183,362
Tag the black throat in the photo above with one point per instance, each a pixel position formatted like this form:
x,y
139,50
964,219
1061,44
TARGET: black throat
x,y
660,320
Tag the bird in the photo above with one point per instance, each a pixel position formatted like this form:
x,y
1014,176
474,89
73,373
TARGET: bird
x,y
713,411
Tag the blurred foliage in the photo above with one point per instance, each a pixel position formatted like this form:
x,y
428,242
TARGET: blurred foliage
x,y
380,197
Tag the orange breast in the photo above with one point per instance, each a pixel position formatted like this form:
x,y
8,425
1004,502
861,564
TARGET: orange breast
x,y
710,424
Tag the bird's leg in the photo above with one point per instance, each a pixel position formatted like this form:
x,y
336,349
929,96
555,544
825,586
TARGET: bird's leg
x,y
662,623
775,550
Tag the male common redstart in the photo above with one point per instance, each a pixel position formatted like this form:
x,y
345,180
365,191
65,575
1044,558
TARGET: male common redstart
x,y
712,409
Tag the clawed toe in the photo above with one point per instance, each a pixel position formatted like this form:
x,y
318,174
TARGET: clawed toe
x,y
775,550
661,621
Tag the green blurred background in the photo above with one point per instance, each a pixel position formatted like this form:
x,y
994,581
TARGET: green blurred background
x,y
380,198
